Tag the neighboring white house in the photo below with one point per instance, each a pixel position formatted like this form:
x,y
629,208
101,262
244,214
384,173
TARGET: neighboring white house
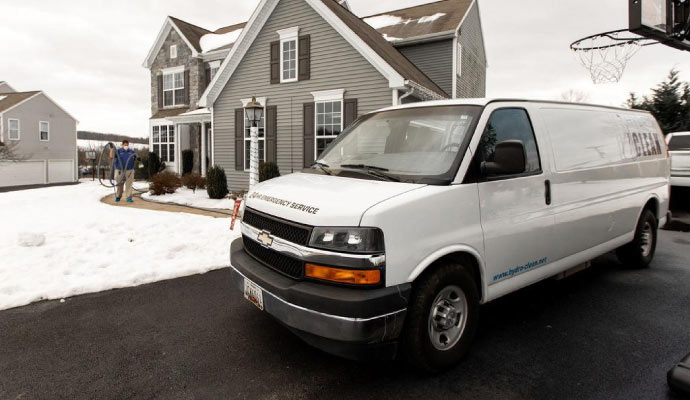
x,y
44,137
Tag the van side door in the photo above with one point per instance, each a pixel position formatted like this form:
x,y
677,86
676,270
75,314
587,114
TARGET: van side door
x,y
515,215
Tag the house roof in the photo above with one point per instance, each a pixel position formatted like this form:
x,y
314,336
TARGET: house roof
x,y
383,48
169,112
420,21
9,100
192,32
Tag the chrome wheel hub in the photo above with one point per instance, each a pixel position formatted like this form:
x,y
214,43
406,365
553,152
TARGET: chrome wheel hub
x,y
646,239
447,317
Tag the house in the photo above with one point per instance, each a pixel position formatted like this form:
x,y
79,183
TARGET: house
x,y
43,136
315,66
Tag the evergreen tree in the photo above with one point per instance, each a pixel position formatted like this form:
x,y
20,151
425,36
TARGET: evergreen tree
x,y
669,103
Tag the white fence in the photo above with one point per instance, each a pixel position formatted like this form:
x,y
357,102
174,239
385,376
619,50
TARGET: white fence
x,y
36,172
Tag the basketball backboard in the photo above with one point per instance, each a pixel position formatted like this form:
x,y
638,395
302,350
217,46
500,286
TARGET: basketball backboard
x,y
667,21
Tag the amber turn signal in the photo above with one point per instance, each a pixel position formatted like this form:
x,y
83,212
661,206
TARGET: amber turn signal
x,y
350,276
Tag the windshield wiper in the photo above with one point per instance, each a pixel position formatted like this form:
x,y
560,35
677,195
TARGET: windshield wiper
x,y
373,170
323,166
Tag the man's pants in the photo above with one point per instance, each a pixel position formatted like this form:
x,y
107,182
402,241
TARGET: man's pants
x,y
129,178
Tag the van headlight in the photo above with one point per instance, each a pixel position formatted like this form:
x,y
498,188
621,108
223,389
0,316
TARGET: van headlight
x,y
348,240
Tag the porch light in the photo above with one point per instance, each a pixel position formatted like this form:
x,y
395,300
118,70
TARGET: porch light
x,y
254,111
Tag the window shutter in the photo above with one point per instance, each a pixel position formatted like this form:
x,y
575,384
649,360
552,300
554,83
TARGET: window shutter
x,y
271,134
304,57
350,106
160,91
275,62
308,134
239,139
207,73
186,87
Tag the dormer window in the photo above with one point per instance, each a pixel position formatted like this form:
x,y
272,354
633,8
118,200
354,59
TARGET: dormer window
x,y
173,51
288,54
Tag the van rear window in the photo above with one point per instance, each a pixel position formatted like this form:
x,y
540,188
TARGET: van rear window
x,y
679,143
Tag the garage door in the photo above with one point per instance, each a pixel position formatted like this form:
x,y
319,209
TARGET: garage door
x,y
22,173
60,171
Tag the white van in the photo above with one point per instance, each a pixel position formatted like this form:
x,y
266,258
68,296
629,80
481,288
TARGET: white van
x,y
679,150
417,214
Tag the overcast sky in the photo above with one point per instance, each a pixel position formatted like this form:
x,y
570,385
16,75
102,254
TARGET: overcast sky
x,y
87,54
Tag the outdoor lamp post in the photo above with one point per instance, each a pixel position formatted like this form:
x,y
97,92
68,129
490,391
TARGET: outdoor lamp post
x,y
253,110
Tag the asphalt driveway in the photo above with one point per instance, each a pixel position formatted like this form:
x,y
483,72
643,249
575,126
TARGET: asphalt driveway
x,y
606,333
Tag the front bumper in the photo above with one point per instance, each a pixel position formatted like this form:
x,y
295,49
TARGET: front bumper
x,y
339,320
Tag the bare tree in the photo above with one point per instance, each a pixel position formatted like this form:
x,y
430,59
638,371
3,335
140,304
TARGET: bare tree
x,y
575,96
8,152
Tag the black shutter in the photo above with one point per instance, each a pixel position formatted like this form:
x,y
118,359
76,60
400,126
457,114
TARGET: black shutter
x,y
160,91
275,62
308,134
350,106
239,139
304,57
208,77
271,134
186,87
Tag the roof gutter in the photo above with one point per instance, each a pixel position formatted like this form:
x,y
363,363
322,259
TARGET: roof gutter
x,y
430,37
424,93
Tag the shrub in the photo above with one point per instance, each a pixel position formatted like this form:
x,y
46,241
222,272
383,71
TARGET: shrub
x,y
187,161
164,182
194,181
142,173
216,183
238,194
153,162
268,170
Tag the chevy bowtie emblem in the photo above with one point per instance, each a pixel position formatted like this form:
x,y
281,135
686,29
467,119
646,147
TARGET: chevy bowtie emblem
x,y
265,239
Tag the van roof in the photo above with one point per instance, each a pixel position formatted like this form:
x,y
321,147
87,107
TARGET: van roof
x,y
486,101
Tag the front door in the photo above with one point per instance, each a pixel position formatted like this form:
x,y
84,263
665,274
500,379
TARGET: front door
x,y
517,222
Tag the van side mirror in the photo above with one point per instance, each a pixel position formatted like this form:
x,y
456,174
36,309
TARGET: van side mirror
x,y
509,159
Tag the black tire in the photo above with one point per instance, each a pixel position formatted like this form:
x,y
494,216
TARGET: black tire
x,y
636,254
416,343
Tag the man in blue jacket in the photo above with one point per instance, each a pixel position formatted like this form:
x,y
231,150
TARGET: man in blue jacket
x,y
124,164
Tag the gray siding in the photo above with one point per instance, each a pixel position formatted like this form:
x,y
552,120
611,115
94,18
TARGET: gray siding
x,y
472,81
334,65
62,143
435,59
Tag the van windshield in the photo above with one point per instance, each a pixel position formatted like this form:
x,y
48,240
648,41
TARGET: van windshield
x,y
419,145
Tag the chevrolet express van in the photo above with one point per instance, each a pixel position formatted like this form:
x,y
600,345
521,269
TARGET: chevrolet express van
x,y
679,150
418,214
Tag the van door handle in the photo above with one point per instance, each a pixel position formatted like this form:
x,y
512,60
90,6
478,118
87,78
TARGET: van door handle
x,y
547,192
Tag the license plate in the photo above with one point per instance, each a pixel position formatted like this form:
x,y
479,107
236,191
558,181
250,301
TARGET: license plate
x,y
253,293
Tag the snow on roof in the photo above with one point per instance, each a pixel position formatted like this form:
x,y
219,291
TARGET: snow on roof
x,y
212,41
391,38
382,21
2,97
198,111
430,18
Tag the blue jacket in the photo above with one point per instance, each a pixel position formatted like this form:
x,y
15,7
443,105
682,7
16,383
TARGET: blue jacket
x,y
128,158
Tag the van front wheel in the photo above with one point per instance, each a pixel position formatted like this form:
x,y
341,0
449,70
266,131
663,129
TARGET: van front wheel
x,y
441,319
640,252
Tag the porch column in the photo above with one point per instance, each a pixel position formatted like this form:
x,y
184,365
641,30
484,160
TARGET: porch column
x,y
178,153
203,149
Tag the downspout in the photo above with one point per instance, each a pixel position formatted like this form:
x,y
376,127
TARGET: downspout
x,y
409,92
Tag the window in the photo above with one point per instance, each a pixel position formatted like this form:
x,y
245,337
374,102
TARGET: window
x,y
173,51
14,129
248,140
44,131
173,88
679,143
213,69
288,54
510,124
164,142
329,123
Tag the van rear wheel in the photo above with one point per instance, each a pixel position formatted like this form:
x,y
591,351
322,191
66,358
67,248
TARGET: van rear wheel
x,y
640,252
441,319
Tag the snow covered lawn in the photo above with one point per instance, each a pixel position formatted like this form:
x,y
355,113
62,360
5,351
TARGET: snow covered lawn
x,y
62,241
187,197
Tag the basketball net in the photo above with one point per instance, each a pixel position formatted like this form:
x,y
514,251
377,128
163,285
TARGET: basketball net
x,y
605,55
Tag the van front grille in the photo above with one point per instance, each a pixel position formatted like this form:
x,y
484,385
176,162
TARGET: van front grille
x,y
286,265
289,231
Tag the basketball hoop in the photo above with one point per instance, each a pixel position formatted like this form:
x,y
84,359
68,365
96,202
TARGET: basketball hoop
x,y
606,54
